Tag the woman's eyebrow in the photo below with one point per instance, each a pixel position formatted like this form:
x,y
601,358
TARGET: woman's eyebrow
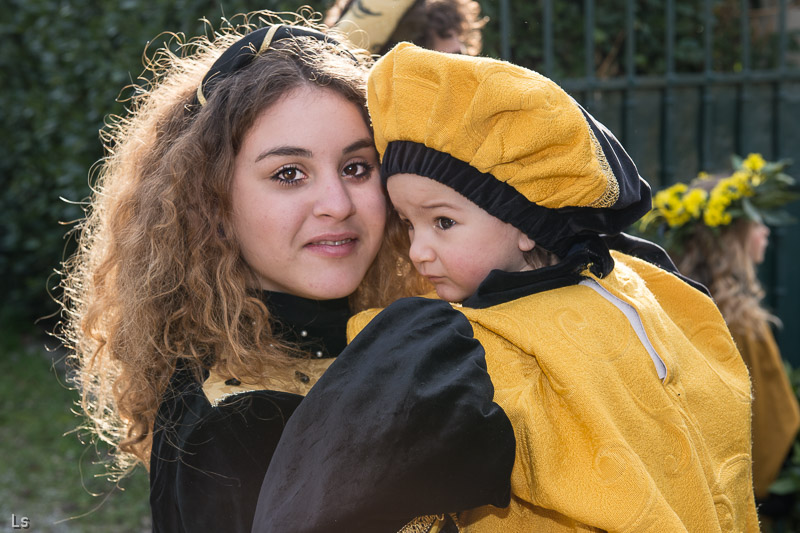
x,y
366,142
304,152
283,151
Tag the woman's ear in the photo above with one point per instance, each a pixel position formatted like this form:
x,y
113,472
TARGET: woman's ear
x,y
526,244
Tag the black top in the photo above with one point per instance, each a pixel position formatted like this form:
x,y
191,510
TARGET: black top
x,y
415,401
208,462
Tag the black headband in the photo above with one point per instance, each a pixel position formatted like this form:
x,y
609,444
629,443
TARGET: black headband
x,y
245,50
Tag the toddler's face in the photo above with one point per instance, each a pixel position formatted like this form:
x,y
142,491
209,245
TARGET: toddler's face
x,y
454,243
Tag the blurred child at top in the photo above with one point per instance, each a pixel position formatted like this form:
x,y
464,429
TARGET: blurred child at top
x,y
452,26
716,230
629,400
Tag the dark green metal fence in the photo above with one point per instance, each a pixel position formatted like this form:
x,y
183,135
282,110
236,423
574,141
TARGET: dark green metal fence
x,y
676,123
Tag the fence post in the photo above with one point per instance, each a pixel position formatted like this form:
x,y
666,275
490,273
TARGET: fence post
x,y
505,29
668,101
588,50
779,95
629,101
706,98
742,93
548,38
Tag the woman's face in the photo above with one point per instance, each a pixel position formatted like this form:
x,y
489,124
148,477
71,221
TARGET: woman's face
x,y
757,240
308,206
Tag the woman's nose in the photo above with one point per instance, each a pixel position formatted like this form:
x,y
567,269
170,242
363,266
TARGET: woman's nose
x,y
334,199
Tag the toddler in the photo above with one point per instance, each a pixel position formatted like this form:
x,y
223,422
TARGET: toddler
x,y
629,401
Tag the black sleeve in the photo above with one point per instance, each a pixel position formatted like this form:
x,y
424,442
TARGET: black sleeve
x,y
401,425
207,464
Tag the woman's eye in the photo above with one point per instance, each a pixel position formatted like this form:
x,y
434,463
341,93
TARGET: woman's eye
x,y
444,223
288,176
359,170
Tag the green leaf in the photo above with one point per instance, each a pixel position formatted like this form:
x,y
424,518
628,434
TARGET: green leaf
x,y
785,486
777,218
750,211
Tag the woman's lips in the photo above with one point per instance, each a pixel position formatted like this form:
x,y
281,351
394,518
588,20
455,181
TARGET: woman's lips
x,y
333,245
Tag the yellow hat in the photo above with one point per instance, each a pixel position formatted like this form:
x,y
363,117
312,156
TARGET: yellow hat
x,y
507,138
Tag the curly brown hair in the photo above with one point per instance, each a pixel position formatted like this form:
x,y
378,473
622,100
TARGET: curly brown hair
x,y
158,275
720,261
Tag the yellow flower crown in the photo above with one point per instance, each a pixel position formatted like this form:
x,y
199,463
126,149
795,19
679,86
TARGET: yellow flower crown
x,y
757,190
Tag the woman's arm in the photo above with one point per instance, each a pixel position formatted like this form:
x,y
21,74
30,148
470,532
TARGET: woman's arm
x,y
401,425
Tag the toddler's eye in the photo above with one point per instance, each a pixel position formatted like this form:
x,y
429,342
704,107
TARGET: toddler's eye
x,y
444,223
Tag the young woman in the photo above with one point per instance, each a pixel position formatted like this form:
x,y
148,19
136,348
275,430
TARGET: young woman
x,y
236,225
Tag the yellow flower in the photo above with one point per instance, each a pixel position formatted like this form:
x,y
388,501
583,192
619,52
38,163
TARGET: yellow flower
x,y
733,187
694,202
669,198
754,162
678,219
756,179
669,203
679,205
716,216
720,198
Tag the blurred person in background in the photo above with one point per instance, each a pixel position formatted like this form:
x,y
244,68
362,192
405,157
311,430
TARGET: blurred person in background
x,y
452,26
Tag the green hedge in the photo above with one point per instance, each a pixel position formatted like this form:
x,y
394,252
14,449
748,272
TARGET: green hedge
x,y
62,67
649,26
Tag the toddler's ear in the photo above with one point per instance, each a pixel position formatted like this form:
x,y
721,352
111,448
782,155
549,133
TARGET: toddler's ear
x,y
526,244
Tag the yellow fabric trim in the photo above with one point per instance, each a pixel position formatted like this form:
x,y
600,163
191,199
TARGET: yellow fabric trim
x,y
292,380
426,524
267,40
611,194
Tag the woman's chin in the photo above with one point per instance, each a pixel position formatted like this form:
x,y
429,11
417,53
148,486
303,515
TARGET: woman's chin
x,y
331,288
